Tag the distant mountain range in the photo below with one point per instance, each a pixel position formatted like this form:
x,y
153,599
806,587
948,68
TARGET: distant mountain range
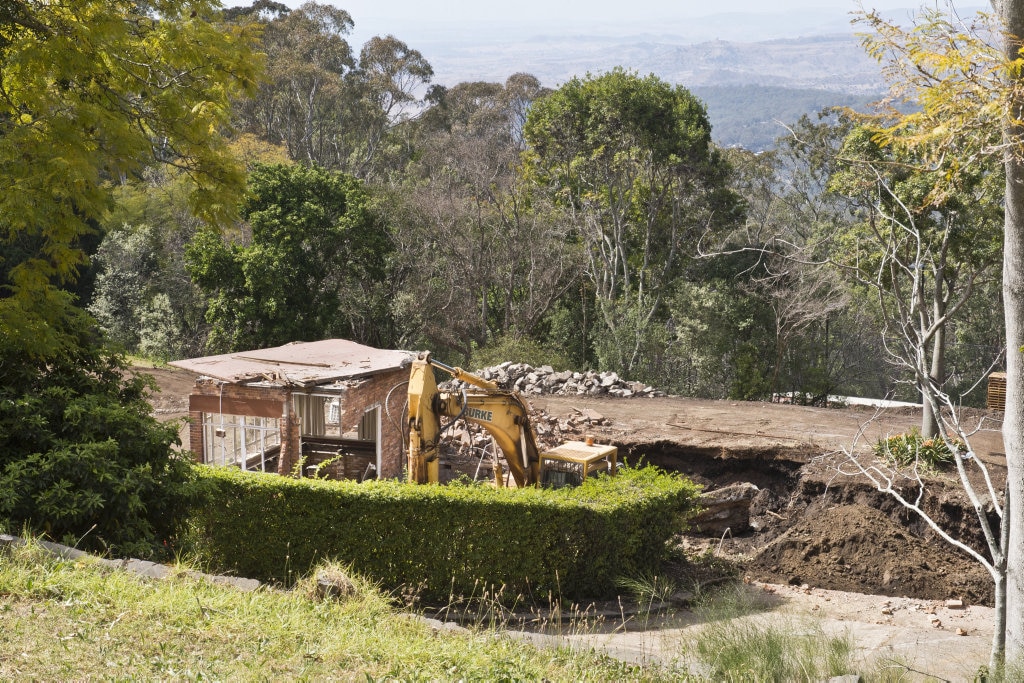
x,y
751,89
755,116
834,62
759,72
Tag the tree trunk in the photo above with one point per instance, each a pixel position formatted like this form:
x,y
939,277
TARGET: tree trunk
x,y
1011,12
1013,420
997,658
929,420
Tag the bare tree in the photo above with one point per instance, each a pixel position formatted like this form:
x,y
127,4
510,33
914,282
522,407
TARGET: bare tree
x,y
920,285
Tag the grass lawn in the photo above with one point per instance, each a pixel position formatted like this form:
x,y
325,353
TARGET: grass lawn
x,y
62,620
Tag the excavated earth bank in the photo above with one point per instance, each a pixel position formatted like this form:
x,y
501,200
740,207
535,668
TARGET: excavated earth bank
x,y
809,525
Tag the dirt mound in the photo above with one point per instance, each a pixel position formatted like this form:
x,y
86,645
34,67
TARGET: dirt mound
x,y
859,548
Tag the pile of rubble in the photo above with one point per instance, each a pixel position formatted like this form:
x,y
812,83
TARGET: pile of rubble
x,y
470,450
528,380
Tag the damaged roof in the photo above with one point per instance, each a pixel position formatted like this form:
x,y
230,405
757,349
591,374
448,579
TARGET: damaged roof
x,y
299,363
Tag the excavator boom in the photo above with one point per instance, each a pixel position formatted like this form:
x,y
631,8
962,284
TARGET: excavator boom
x,y
504,415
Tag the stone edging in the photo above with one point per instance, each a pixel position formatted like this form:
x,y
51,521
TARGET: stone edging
x,y
150,570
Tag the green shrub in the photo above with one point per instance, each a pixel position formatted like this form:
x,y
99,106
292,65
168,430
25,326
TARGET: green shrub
x,y
903,450
82,459
440,541
519,349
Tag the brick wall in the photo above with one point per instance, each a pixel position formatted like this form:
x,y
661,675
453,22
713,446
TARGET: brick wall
x,y
359,395
356,397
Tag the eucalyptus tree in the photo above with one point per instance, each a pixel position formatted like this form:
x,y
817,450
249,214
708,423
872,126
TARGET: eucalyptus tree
x,y
481,256
386,88
326,104
301,101
630,161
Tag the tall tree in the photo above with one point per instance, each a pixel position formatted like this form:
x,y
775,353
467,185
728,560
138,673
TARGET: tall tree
x,y
1011,13
385,87
630,158
312,268
300,104
325,104
966,88
921,253
480,254
92,91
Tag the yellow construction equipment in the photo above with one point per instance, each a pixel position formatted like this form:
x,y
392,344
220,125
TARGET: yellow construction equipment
x,y
504,415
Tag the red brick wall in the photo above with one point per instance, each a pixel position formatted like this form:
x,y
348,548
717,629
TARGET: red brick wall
x,y
290,450
362,394
356,397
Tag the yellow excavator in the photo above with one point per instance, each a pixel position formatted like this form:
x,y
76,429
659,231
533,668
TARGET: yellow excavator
x,y
504,415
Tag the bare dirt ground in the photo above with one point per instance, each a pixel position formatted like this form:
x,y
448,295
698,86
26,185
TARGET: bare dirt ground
x,y
822,542
812,524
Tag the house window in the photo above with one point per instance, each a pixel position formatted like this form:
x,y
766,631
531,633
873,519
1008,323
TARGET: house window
x,y
250,443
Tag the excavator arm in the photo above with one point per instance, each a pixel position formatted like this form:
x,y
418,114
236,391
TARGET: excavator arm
x,y
501,413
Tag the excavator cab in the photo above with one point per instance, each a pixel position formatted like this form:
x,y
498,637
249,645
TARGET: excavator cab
x,y
572,462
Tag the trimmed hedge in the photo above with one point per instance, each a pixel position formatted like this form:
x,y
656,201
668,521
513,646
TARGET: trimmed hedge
x,y
439,540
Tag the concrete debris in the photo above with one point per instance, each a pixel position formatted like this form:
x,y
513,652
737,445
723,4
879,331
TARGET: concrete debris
x,y
529,380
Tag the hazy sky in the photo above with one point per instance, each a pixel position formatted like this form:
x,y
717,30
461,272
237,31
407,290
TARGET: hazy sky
x,y
440,28
408,17
560,10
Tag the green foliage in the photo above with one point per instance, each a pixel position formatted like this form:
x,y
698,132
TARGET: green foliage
x,y
718,336
630,160
83,459
518,349
441,540
904,450
92,90
138,275
127,260
143,299
312,269
568,327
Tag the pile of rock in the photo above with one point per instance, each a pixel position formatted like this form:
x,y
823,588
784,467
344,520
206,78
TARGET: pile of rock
x,y
469,450
528,380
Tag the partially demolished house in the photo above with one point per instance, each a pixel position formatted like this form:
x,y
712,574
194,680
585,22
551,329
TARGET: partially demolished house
x,y
307,407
